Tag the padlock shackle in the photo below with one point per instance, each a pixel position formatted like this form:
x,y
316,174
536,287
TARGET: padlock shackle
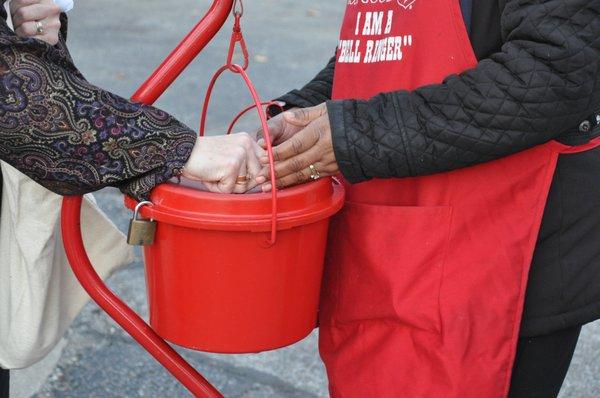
x,y
148,93
141,232
139,206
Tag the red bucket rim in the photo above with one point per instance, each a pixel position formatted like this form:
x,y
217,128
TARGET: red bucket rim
x,y
188,207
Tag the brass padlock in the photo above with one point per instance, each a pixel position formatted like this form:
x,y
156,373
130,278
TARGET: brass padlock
x,y
141,231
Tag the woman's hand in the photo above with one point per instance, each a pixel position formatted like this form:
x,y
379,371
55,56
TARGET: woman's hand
x,y
307,155
225,164
36,18
282,127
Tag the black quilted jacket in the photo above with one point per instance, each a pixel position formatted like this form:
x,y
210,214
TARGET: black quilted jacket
x,y
538,79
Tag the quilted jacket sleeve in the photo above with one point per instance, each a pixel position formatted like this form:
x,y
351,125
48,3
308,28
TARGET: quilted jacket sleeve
x,y
317,91
543,82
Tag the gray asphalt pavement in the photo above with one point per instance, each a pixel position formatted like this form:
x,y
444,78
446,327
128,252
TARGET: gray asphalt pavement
x,y
117,44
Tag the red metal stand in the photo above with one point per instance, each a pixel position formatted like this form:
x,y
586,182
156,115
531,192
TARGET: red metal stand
x,y
119,311
148,93
184,53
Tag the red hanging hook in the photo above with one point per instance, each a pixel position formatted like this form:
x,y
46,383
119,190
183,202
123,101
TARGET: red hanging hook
x,y
238,7
237,37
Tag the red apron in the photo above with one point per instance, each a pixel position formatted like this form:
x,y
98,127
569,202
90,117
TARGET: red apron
x,y
425,281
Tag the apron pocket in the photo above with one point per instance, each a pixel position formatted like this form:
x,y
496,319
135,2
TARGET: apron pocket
x,y
388,264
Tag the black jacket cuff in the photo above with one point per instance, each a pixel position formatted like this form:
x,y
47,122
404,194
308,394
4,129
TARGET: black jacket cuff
x,y
346,158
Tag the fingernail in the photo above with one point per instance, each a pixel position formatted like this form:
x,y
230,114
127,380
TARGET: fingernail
x,y
261,142
264,160
266,188
261,179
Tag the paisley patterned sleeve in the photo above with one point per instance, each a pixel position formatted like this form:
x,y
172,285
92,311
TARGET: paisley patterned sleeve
x,y
73,137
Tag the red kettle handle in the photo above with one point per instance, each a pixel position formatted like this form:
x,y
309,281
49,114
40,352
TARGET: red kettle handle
x,y
265,126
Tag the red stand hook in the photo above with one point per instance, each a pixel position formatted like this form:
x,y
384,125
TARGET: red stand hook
x,y
237,37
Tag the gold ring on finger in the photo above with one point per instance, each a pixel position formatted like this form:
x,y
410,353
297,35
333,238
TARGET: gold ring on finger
x,y
242,180
39,27
314,173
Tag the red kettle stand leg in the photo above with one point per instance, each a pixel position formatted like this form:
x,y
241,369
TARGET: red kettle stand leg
x,y
119,311
160,80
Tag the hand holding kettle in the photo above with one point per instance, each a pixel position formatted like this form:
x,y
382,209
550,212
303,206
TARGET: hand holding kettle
x,y
225,164
304,148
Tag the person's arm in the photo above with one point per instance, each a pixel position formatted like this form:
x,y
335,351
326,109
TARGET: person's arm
x,y
315,92
73,137
544,82
83,138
